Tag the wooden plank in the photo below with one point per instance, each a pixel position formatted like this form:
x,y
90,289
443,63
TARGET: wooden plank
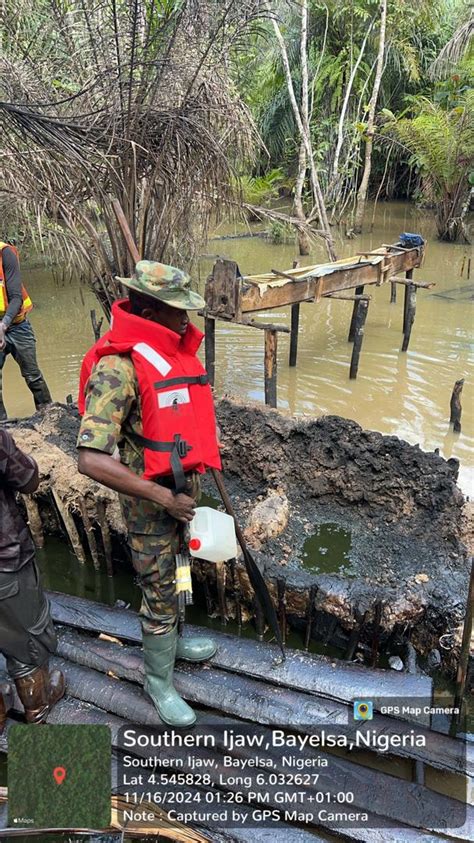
x,y
252,299
223,290
311,673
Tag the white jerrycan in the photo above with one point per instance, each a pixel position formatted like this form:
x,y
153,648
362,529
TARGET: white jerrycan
x,y
212,535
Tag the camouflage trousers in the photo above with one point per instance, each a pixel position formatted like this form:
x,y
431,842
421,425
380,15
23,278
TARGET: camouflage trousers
x,y
153,558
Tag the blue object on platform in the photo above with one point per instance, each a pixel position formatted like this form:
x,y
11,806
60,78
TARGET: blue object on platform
x,y
411,241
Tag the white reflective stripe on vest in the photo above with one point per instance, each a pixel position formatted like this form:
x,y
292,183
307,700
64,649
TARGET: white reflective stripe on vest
x,y
173,396
156,360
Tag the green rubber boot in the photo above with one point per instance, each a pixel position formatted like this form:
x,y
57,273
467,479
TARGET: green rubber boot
x,y
195,649
159,652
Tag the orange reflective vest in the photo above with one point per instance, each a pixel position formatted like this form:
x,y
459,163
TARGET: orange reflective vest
x,y
26,304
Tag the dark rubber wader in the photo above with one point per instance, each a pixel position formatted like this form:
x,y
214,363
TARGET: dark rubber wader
x,y
27,636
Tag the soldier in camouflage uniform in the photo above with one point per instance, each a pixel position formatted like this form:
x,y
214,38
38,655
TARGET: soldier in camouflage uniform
x,y
109,453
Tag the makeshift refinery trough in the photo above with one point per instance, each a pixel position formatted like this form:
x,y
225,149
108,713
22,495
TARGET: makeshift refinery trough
x,y
100,655
401,585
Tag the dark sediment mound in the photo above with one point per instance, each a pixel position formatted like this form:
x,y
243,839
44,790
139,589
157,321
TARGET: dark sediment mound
x,y
408,568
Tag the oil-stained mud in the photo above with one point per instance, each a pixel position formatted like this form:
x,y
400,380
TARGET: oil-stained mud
x,y
286,477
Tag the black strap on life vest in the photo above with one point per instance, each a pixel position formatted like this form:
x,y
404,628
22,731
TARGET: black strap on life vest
x,y
178,449
202,380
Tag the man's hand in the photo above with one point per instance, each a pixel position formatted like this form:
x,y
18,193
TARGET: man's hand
x,y
3,332
182,508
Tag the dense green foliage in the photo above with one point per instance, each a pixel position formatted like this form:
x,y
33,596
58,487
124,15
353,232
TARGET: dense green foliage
x,y
343,38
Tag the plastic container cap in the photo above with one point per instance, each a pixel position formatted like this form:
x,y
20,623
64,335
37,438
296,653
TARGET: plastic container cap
x,y
195,544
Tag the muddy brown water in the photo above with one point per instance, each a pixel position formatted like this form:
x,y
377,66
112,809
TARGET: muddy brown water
x,y
403,394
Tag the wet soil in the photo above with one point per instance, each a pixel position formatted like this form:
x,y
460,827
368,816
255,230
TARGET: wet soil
x,y
402,507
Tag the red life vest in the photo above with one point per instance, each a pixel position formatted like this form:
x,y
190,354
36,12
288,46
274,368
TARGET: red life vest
x,y
179,426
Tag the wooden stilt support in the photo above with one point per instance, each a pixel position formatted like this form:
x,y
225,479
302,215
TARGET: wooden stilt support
x,y
106,540
281,587
208,597
362,309
69,526
355,637
463,665
374,656
210,348
237,595
409,276
310,615
271,342
34,520
295,321
89,531
220,580
455,406
393,292
410,304
331,628
359,291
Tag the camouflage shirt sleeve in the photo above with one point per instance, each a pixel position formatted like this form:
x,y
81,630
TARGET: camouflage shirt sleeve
x,y
111,393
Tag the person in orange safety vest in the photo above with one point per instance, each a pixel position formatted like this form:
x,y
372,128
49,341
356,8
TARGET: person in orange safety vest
x,y
16,334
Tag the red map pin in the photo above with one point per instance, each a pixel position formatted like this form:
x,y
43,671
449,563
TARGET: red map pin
x,y
59,774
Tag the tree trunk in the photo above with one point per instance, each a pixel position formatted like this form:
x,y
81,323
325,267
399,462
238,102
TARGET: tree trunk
x,y
303,126
364,185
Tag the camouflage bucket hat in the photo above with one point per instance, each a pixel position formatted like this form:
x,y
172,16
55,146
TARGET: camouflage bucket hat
x,y
166,283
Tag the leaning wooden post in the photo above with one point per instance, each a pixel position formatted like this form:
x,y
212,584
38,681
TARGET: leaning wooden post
x,y
455,406
210,348
295,322
271,342
363,307
410,304
359,291
409,275
463,665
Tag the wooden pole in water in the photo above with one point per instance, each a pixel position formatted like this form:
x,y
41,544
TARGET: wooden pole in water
x,y
295,321
393,292
271,341
455,405
310,615
362,309
210,348
359,291
409,275
463,665
374,656
410,305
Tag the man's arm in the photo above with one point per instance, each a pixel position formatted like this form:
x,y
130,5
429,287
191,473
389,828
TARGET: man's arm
x,y
18,471
106,470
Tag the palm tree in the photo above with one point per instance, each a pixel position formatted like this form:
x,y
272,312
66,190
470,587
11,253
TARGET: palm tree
x,y
442,147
